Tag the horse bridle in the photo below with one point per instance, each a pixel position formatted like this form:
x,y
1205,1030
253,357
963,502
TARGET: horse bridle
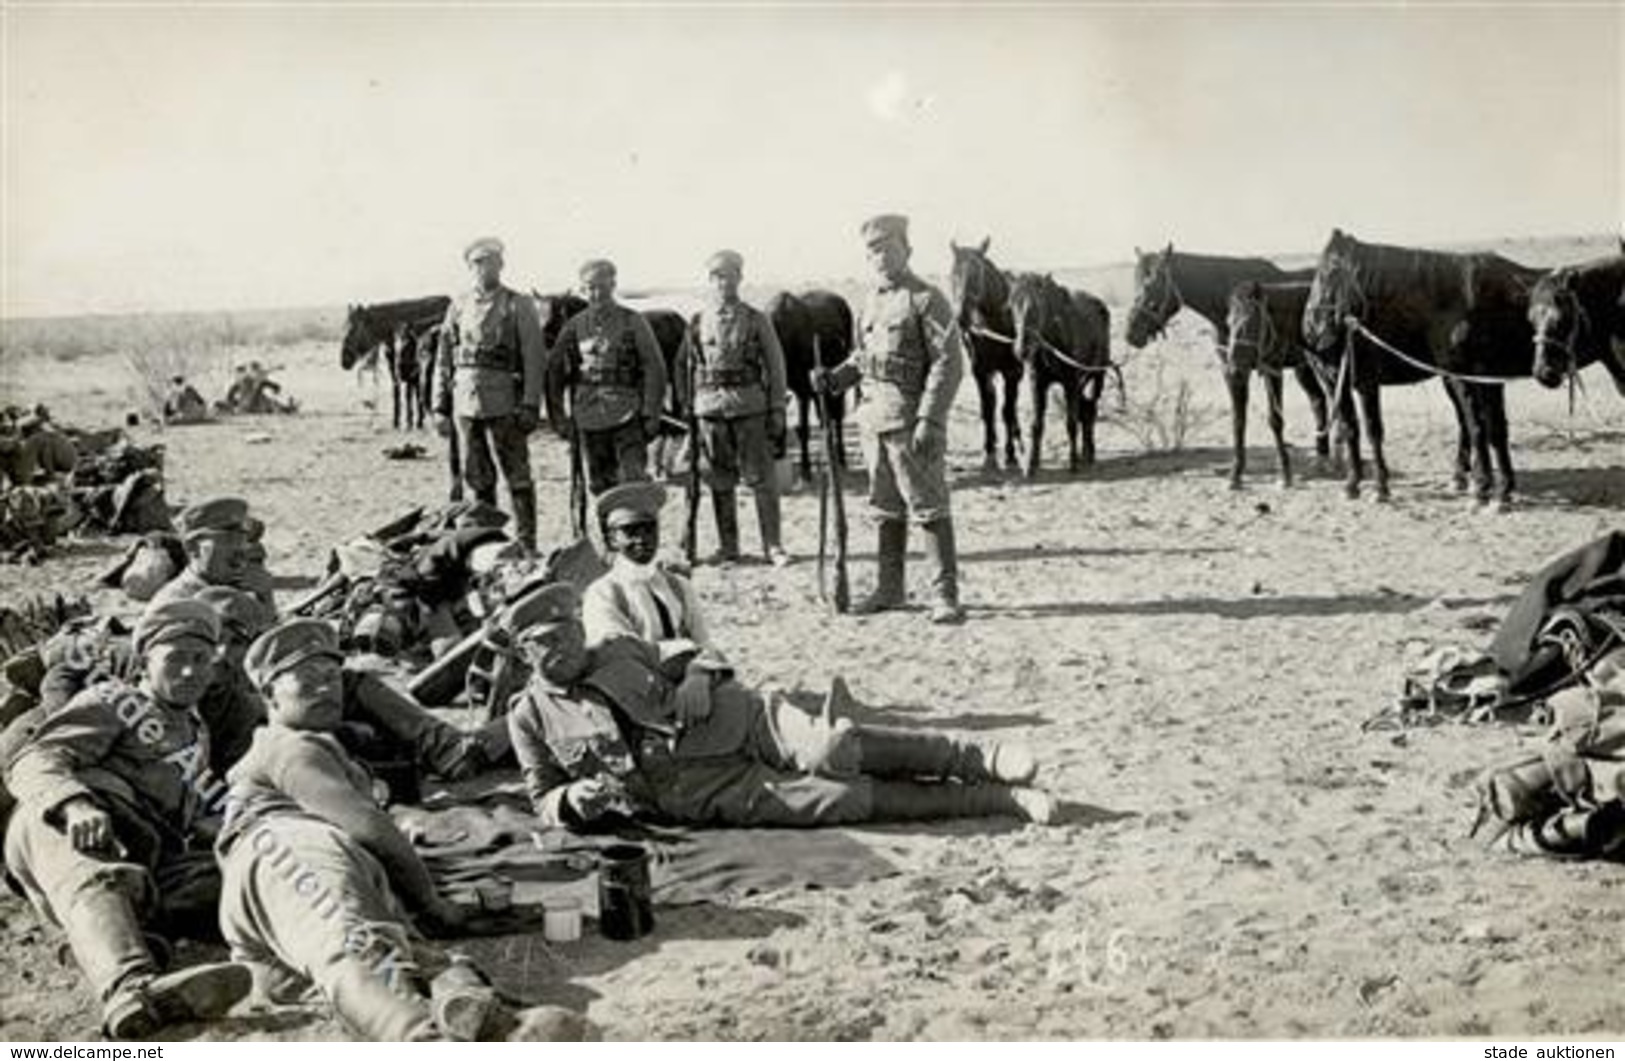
x,y
1172,300
1569,346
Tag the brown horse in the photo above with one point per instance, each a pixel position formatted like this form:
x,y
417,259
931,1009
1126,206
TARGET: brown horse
x,y
1168,281
824,318
981,300
1062,337
1578,314
1381,314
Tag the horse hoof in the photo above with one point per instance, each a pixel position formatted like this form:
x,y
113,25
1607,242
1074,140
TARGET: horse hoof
x,y
1352,492
1381,497
1284,483
1503,505
1235,484
990,464
1460,483
1013,463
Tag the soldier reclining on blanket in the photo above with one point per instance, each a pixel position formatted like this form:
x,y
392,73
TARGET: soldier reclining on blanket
x,y
602,732
315,872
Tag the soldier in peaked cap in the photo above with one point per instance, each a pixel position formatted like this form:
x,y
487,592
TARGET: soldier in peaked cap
x,y
640,597
231,707
911,359
611,364
601,732
222,549
103,842
383,720
490,370
345,922
732,369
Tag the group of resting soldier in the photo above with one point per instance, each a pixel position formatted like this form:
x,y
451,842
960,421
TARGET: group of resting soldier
x,y
207,774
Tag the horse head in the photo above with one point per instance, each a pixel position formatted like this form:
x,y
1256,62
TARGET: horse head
x,y
1029,311
360,338
1156,295
1247,319
1558,318
976,285
554,311
1335,293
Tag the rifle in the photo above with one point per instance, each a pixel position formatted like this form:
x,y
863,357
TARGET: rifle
x,y
578,481
691,532
830,503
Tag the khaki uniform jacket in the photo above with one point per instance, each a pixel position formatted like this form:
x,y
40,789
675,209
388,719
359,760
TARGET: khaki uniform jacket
x,y
739,368
619,721
909,355
612,364
122,748
493,358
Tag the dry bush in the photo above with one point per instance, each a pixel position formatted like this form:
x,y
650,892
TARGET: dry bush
x,y
1160,415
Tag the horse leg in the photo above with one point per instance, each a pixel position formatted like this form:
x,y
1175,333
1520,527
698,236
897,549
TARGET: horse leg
x,y
1350,425
394,386
1011,382
1495,399
1272,390
1236,381
1371,412
1464,433
1035,423
1074,415
987,401
1088,412
803,434
1473,400
1317,404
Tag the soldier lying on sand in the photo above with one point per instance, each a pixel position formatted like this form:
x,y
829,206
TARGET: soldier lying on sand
x,y
318,880
602,733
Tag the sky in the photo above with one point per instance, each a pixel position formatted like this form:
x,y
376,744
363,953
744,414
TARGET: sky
x,y
208,157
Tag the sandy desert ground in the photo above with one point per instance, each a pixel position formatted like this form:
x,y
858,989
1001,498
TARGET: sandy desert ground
x,y
1238,858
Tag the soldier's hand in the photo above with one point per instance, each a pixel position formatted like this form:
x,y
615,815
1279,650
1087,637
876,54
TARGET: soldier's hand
x,y
442,425
651,428
929,440
527,419
693,698
593,797
775,427
89,828
821,383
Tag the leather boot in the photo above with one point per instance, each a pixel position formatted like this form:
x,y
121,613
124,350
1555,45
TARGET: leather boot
x,y
912,801
725,506
524,516
943,556
890,555
107,943
374,1009
768,520
885,751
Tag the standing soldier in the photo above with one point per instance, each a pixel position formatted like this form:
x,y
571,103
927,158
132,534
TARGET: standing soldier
x,y
496,360
909,353
617,379
737,375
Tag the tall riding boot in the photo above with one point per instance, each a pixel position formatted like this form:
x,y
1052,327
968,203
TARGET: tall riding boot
x,y
725,506
943,556
912,801
107,942
768,520
890,555
886,751
524,515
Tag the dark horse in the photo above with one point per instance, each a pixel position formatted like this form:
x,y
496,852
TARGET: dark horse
x,y
1578,314
366,328
1167,281
1265,322
981,298
801,320
1464,317
1061,337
